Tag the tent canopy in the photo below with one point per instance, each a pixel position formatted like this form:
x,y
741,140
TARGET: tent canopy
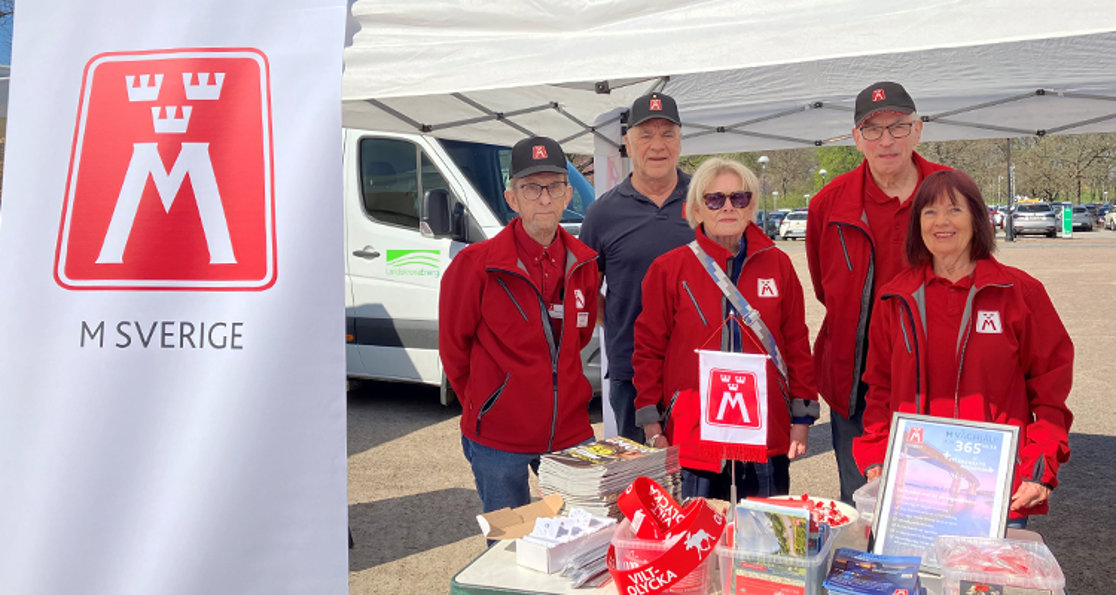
x,y
747,75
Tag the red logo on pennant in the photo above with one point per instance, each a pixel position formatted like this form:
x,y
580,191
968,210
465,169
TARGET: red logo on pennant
x,y
656,105
733,399
170,184
878,95
539,152
914,435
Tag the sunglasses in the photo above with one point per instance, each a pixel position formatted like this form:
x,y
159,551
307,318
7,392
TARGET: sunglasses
x,y
716,200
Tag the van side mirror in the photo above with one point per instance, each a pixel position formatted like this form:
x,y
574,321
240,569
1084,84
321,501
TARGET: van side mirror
x,y
437,217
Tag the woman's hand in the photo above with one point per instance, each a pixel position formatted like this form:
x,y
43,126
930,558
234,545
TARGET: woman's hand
x,y
799,440
1029,494
873,472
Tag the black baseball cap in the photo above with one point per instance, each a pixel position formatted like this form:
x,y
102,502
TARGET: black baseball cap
x,y
653,105
536,155
882,97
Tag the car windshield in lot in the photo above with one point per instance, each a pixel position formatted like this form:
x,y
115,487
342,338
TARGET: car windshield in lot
x,y
1034,209
796,217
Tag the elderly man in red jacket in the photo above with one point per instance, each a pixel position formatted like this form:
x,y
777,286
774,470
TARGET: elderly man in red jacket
x,y
854,245
515,312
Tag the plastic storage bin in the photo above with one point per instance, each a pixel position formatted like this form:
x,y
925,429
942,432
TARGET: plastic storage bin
x,y
865,498
633,552
744,572
969,562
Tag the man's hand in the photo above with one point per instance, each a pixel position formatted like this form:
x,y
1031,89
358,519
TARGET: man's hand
x,y
799,440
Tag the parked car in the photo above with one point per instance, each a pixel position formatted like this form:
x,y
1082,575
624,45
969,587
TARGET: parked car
x,y
1094,213
1110,219
998,217
793,226
774,218
1034,217
1083,220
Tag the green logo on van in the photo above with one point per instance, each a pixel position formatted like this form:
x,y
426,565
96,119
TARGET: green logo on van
x,y
414,263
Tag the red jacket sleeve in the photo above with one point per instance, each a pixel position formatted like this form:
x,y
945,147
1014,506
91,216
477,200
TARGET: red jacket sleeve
x,y
815,226
870,448
459,309
1046,353
652,334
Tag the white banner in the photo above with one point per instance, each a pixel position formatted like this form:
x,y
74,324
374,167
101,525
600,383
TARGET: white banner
x,y
733,397
172,407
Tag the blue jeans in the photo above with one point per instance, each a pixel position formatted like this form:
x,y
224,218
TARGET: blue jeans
x,y
500,476
844,430
1019,523
621,395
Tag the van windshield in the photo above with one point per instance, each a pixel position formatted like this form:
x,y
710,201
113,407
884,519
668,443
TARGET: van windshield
x,y
486,167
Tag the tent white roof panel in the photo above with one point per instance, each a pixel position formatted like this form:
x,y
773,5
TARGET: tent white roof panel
x,y
448,67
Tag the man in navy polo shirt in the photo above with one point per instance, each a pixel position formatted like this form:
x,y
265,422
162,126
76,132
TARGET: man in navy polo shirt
x,y
631,225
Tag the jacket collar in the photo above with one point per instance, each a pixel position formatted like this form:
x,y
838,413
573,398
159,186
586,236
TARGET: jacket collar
x,y
504,254
757,241
988,271
852,210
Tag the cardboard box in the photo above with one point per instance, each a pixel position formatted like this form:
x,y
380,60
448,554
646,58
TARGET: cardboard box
x,y
512,523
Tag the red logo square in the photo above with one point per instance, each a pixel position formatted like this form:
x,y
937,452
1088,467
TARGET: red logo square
x,y
656,105
539,152
878,95
914,435
171,184
733,399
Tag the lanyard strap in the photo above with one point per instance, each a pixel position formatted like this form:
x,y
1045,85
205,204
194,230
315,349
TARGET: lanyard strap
x,y
748,314
697,526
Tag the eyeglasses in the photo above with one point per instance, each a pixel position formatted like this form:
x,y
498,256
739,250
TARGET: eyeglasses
x,y
716,200
896,130
534,191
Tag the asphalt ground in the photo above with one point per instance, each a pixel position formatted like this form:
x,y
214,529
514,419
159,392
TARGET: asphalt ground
x,y
413,506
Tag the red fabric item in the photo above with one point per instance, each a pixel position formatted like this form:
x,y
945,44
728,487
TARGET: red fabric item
x,y
839,248
698,524
546,265
945,307
670,328
1020,375
494,350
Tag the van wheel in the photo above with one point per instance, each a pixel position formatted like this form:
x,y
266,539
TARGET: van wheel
x,y
1052,234
446,396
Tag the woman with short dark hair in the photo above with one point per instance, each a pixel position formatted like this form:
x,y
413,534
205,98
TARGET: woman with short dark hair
x,y
960,335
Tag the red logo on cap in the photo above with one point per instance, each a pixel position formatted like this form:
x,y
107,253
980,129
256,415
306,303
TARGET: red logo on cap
x,y
656,105
878,95
539,152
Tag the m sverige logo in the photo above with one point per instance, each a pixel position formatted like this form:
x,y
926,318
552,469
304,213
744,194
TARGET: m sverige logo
x,y
170,182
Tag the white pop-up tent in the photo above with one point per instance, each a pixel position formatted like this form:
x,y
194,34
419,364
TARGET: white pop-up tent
x,y
748,75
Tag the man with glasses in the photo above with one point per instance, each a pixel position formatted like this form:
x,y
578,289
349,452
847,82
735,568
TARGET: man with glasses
x,y
854,245
514,313
631,225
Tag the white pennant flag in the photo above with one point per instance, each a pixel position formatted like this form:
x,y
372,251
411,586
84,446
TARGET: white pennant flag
x,y
733,397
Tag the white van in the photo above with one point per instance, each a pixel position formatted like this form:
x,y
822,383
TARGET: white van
x,y
411,203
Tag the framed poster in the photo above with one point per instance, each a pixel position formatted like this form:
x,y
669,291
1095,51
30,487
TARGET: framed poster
x,y
943,476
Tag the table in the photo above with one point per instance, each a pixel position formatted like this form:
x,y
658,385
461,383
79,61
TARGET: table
x,y
495,571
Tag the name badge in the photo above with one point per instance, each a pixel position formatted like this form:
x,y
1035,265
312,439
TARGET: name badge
x,y
582,319
556,311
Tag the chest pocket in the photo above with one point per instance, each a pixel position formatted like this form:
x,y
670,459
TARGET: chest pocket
x,y
689,295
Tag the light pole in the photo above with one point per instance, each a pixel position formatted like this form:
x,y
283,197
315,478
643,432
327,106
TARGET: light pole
x,y
763,161
822,173
999,180
775,199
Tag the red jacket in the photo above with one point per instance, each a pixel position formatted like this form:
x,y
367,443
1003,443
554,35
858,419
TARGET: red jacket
x,y
1019,376
518,393
683,309
840,251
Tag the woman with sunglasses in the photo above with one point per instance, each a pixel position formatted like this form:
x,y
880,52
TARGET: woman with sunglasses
x,y
685,309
